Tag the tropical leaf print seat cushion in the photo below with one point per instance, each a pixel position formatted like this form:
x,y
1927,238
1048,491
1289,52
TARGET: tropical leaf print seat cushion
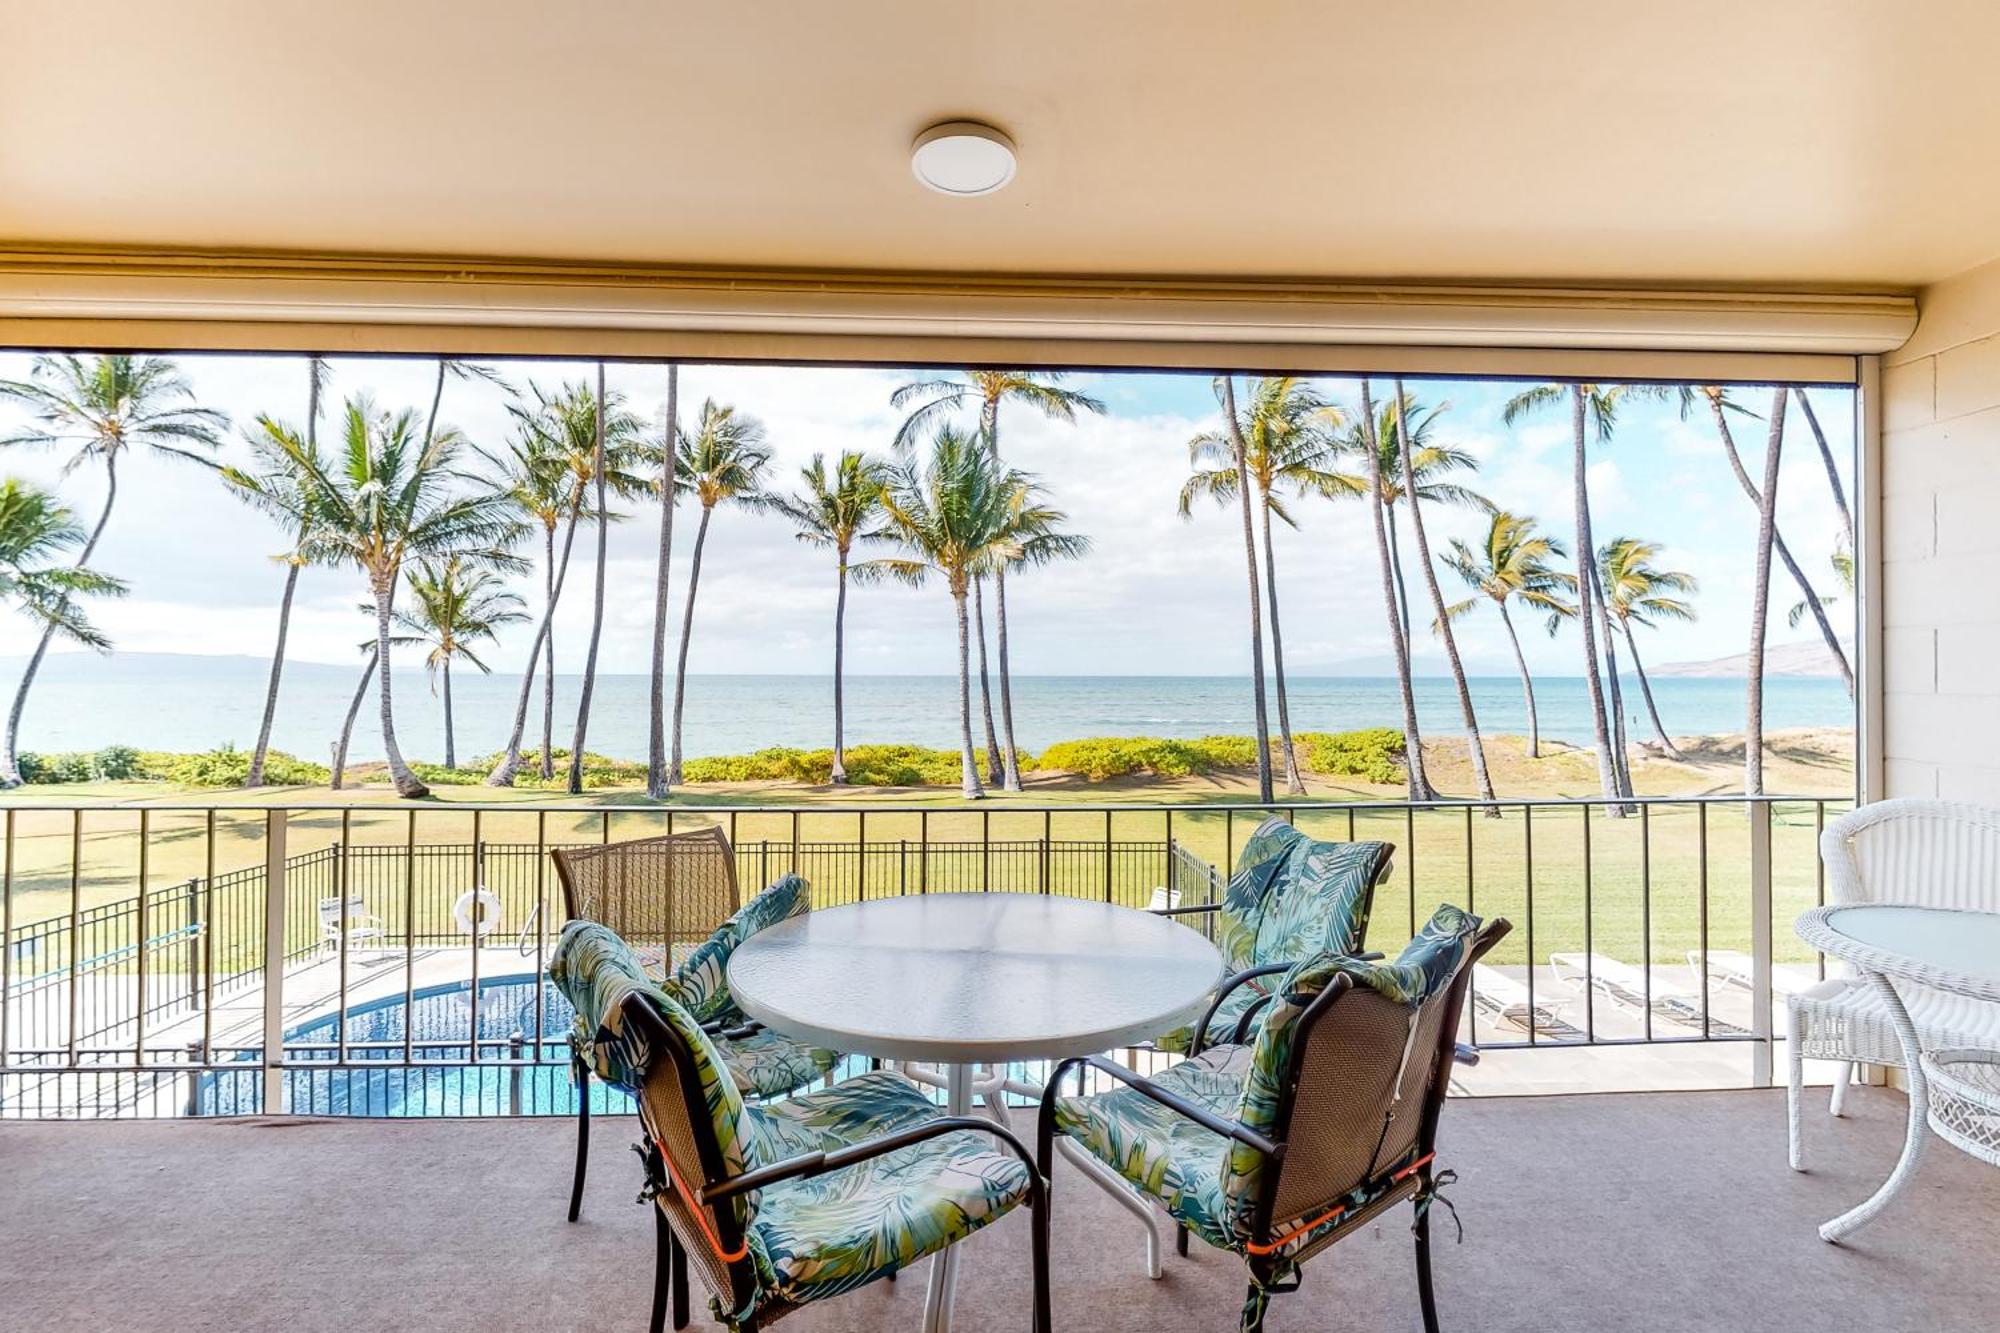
x,y
1165,1154
765,1063
852,1110
1291,897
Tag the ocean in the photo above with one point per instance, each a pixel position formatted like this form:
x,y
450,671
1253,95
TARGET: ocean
x,y
168,702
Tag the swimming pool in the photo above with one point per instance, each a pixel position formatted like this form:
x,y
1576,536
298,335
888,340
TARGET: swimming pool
x,y
437,1023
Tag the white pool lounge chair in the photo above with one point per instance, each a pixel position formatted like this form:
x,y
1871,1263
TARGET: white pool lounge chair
x,y
1624,984
349,920
1733,967
1505,999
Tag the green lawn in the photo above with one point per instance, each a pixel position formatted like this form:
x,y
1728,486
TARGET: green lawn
x,y
1442,855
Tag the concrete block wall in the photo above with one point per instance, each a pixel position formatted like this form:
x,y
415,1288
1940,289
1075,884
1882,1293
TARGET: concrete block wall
x,y
1940,535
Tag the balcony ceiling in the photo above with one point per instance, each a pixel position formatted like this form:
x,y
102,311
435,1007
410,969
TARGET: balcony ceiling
x,y
1703,142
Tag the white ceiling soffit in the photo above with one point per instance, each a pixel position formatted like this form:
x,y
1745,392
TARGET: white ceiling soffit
x,y
60,297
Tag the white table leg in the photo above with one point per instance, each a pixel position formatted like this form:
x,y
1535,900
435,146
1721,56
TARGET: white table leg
x,y
1916,1132
944,1264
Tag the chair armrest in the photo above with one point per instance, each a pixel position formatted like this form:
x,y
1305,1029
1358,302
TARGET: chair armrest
x,y
819,1163
1207,1119
1185,911
1229,984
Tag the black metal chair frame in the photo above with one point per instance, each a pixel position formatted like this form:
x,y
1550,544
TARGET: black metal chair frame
x,y
1411,1176
670,1279
579,1067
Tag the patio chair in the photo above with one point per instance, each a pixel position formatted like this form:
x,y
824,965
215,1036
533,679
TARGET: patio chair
x,y
1505,999
1639,989
761,1062
1291,897
784,1205
663,896
1921,852
1277,1149
347,921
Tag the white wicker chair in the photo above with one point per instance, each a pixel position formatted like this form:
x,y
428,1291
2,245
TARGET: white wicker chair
x,y
1927,853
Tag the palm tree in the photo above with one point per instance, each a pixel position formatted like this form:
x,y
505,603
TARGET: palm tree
x,y
1826,457
1032,535
1412,487
1637,592
1435,465
1286,448
833,513
1593,411
547,471
722,461
656,747
36,536
1842,561
952,514
384,500
457,607
1413,741
339,766
280,473
597,481
1760,601
1720,406
1042,390
97,409
1513,564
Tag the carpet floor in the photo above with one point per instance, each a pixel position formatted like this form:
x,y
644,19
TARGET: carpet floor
x,y
1661,1213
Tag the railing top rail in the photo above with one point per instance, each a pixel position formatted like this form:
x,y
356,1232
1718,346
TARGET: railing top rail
x,y
959,807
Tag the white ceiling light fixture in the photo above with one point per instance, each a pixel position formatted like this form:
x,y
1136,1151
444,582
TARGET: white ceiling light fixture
x,y
963,158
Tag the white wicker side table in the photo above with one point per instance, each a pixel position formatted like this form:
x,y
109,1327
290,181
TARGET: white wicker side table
x,y
1954,1093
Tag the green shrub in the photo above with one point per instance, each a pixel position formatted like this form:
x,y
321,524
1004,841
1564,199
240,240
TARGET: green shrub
x,y
437,775
1101,757
1374,755
116,763
227,767
51,769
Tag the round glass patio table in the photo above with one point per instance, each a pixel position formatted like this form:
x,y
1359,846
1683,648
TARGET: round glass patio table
x,y
1943,948
968,979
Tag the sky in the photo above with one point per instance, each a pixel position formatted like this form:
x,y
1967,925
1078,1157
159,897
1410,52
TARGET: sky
x,y
1157,594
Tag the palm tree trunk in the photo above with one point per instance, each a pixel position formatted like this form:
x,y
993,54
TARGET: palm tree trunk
x,y
1240,455
510,760
1413,741
1826,457
1010,759
10,769
687,633
1620,752
546,764
656,747
597,601
1402,588
255,778
993,771
968,765
1646,692
450,743
347,726
1010,756
1293,786
399,772
1806,590
1760,603
1607,764
839,774
1475,746
1527,684
437,398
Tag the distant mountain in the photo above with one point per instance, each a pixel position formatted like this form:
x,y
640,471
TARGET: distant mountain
x,y
1780,659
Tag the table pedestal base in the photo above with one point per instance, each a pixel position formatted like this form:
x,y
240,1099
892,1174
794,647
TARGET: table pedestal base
x,y
1914,1135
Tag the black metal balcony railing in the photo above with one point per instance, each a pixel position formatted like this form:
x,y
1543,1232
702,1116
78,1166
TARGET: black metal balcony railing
x,y
134,978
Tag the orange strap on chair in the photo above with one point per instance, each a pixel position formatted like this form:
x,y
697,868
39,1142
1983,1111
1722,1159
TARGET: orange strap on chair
x,y
700,1212
1302,1228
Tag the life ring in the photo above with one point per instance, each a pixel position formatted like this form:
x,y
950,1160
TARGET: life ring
x,y
477,912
